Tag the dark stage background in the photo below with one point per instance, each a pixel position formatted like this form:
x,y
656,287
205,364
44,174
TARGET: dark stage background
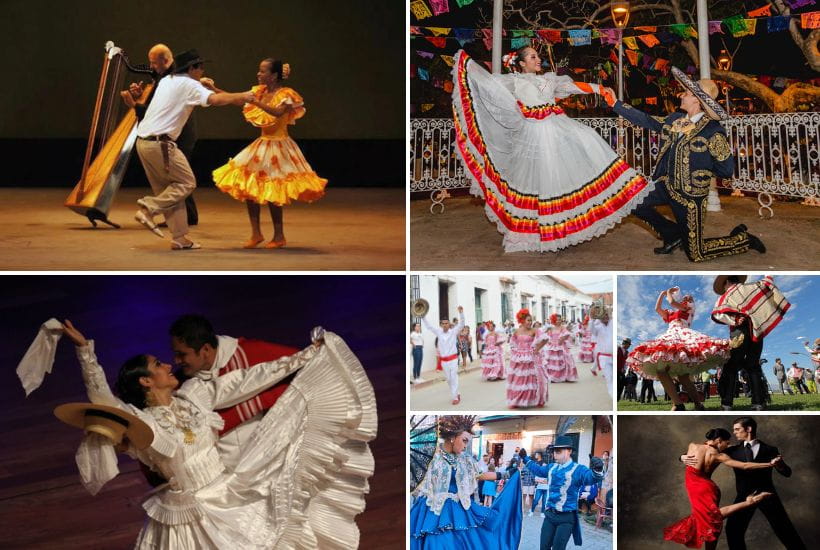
x,y
651,492
41,500
347,58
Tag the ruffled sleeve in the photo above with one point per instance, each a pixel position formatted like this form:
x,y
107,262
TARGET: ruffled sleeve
x,y
262,119
565,86
290,97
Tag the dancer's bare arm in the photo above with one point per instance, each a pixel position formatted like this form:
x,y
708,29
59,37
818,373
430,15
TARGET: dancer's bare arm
x,y
723,458
658,305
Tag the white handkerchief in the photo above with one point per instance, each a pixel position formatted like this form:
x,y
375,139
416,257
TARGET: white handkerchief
x,y
39,358
96,461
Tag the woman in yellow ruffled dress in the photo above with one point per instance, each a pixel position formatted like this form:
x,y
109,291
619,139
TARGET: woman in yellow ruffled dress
x,y
272,169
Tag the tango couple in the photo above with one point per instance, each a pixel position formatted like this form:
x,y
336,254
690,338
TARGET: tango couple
x,y
752,461
272,170
750,310
263,446
550,182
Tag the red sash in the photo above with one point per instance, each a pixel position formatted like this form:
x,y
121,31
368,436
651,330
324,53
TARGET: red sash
x,y
598,359
449,357
249,353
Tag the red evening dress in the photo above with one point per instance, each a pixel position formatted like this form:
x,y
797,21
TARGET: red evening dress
x,y
706,522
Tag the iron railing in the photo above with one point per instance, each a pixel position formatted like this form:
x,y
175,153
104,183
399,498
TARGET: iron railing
x,y
776,154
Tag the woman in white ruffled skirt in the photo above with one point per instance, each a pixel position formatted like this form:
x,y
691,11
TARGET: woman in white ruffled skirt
x,y
301,477
548,181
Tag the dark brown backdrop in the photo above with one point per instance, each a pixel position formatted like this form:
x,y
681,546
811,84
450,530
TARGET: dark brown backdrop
x,y
651,492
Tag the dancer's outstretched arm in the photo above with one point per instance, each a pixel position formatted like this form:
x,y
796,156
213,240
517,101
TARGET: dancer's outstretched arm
x,y
659,305
723,458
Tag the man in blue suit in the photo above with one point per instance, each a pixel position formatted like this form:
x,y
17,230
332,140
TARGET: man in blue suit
x,y
565,479
693,149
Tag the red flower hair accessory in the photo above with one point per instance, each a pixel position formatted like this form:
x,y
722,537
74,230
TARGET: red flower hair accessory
x,y
553,318
522,315
509,60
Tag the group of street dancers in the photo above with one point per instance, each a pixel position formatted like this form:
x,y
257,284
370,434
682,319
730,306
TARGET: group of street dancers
x,y
537,357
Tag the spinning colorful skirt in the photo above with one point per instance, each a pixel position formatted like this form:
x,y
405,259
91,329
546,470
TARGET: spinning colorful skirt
x,y
706,522
492,357
272,169
560,364
547,180
477,527
681,349
525,386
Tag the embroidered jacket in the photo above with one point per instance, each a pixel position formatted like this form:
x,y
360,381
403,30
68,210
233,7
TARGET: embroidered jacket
x,y
687,158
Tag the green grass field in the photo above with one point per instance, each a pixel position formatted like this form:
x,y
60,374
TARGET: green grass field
x,y
780,402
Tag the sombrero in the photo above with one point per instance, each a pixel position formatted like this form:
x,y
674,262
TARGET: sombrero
x,y
720,282
108,421
706,91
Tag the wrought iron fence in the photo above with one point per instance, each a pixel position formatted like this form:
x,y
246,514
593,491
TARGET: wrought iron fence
x,y
778,154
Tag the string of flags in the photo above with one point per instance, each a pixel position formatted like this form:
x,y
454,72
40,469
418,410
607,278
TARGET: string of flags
x,y
644,36
737,25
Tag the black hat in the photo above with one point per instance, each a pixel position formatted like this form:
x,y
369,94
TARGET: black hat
x,y
186,59
563,442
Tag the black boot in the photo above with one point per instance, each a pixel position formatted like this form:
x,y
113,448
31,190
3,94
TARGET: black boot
x,y
668,248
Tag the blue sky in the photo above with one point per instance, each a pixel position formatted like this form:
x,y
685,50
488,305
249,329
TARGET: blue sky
x,y
637,318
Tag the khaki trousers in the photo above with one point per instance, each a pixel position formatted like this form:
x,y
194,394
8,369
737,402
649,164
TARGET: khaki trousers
x,y
171,181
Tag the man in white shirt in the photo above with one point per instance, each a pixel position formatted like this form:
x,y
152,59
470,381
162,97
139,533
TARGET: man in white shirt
x,y
165,166
602,336
447,348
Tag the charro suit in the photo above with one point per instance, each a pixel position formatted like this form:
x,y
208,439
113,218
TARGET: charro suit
x,y
687,162
749,481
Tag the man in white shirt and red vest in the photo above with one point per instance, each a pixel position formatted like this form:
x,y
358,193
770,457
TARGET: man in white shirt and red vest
x,y
200,353
167,169
447,348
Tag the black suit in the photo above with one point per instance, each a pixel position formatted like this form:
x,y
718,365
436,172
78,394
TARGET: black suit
x,y
746,356
749,481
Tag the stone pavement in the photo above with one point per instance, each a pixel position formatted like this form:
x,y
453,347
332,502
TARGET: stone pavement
x,y
593,539
462,238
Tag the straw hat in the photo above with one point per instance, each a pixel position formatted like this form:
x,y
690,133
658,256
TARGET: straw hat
x,y
720,282
112,422
706,91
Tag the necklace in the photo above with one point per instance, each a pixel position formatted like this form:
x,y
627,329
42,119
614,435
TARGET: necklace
x,y
450,458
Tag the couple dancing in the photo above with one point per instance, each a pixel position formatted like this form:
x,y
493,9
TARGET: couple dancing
x,y
750,310
271,170
550,182
260,447
752,462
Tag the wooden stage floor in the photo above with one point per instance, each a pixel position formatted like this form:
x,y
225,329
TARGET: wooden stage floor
x,y
349,229
42,503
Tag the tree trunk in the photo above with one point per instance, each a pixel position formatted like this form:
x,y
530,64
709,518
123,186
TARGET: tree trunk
x,y
794,95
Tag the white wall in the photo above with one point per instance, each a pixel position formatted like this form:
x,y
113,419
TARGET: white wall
x,y
462,292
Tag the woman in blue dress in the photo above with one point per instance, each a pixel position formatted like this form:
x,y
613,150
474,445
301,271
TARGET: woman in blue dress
x,y
444,514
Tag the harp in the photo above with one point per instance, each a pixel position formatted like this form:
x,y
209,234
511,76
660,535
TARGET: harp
x,y
110,141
